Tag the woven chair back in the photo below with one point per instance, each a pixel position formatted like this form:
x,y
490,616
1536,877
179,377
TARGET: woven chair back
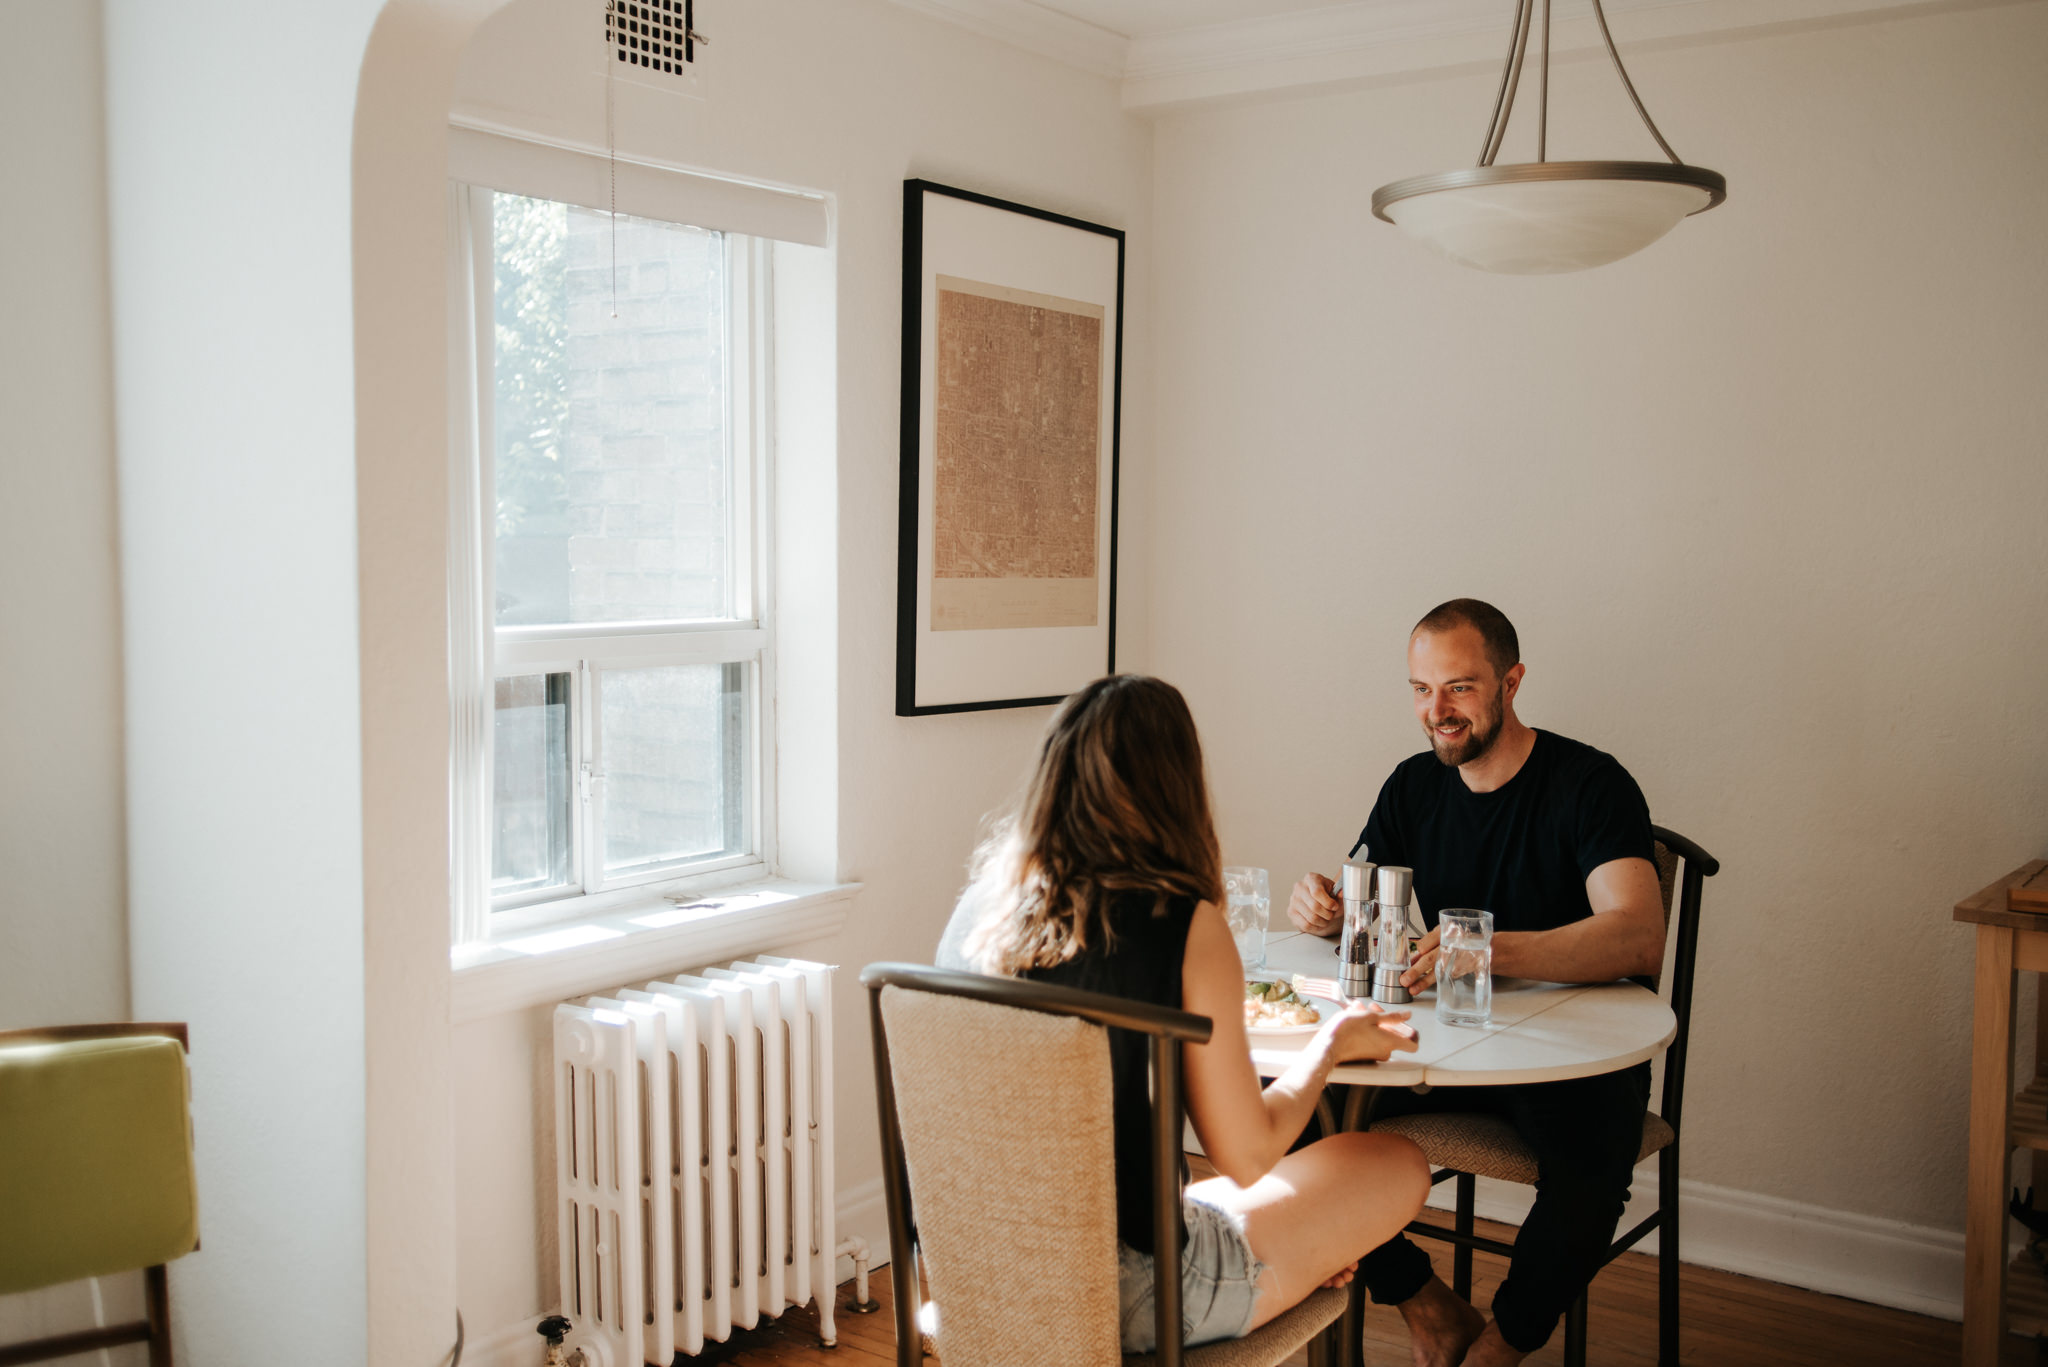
x,y
1005,1117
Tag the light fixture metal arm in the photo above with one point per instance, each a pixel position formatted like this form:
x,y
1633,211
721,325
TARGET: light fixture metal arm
x,y
1543,217
1630,86
1510,80
1500,95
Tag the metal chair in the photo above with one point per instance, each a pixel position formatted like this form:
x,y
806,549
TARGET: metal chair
x,y
994,1099
1465,1147
95,1171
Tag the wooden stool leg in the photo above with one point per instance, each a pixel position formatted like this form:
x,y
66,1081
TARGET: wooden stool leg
x,y
1667,1255
1461,1259
157,1290
1575,1333
1984,1217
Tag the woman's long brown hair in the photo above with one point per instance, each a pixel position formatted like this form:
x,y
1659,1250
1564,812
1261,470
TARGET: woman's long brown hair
x,y
1117,804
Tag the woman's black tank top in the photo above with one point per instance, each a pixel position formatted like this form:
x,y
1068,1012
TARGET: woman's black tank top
x,y
1142,961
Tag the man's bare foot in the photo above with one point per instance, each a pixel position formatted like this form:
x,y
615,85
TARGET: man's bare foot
x,y
1491,1350
1441,1325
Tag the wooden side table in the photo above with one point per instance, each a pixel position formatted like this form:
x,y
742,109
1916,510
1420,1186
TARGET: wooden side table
x,y
1996,1297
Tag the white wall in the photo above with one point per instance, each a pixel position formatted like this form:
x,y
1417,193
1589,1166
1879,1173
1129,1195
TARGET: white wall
x,y
63,862
61,843
276,335
850,98
229,163
1764,502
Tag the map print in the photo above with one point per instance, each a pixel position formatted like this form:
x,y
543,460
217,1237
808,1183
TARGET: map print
x,y
1017,435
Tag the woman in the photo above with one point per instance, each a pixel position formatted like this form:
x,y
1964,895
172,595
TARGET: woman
x,y
1107,878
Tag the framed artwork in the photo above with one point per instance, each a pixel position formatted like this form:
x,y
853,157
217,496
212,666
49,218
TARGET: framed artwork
x,y
1012,372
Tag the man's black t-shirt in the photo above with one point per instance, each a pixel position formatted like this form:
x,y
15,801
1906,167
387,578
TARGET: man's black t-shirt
x,y
1522,851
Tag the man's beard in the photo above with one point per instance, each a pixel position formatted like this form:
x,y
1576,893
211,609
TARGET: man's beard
x,y
1471,743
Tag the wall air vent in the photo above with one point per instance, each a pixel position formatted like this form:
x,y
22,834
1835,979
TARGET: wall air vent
x,y
652,37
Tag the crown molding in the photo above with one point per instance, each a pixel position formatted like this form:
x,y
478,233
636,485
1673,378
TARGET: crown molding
x,y
1369,41
1035,28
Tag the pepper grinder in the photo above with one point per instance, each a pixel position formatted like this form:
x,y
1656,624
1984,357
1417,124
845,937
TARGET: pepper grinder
x,y
1354,969
1390,910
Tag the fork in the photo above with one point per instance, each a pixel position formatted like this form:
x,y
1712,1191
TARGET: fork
x,y
1317,987
1327,989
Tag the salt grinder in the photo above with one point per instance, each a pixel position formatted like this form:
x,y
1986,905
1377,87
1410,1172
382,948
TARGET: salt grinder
x,y
1390,909
1354,970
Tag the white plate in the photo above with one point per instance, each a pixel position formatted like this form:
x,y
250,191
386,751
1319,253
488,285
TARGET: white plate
x,y
1323,1005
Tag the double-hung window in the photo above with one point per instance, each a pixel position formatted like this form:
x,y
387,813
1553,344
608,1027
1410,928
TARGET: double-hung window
x,y
617,629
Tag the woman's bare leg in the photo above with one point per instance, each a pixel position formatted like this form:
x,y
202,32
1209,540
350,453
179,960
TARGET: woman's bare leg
x,y
1321,1209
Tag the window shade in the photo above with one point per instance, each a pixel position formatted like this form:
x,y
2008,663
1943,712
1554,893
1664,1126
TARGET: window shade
x,y
583,176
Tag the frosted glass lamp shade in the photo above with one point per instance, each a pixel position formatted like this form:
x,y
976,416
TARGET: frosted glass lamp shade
x,y
1543,218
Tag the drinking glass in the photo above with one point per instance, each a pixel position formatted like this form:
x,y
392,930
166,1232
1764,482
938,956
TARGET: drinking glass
x,y
1247,899
1464,967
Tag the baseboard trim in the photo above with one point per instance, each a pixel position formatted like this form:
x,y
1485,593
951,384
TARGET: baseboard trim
x,y
1860,1257
858,1211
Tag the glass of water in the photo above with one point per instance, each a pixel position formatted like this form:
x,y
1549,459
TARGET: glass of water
x,y
1248,897
1464,967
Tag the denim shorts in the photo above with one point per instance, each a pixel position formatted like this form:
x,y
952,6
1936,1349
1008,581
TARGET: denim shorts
x,y
1219,1282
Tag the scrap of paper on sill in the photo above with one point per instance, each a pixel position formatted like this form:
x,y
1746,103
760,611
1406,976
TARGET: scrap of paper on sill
x,y
692,911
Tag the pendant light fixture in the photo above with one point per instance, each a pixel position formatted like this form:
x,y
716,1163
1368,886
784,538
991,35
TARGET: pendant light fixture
x,y
1545,217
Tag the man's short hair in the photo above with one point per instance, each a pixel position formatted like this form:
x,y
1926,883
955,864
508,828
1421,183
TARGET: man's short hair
x,y
1503,648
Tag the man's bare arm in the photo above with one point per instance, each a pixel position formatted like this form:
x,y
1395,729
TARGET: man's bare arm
x,y
1623,938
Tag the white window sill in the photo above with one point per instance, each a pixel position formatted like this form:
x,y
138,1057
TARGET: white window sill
x,y
647,938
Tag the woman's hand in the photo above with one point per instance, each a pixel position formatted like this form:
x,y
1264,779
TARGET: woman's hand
x,y
1363,1031
1340,1278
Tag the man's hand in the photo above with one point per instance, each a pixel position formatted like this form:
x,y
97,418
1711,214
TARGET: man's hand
x,y
1314,907
1421,972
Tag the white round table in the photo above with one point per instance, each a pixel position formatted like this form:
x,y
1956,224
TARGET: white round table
x,y
1540,1032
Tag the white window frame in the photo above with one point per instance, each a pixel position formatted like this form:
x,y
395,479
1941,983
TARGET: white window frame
x,y
480,653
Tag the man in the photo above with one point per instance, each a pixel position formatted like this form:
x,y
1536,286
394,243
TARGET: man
x,y
1552,837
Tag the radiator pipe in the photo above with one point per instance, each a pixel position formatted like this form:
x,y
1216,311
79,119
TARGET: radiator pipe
x,y
863,1303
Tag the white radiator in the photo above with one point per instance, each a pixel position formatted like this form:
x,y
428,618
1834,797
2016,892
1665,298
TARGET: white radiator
x,y
693,1159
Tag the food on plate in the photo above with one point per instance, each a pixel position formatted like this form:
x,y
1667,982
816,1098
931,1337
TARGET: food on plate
x,y
1275,1006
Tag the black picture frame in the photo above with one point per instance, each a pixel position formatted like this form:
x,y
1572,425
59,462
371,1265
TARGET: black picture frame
x,y
919,695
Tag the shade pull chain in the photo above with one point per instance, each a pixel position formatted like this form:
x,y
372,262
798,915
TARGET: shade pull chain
x,y
1630,86
1543,91
611,147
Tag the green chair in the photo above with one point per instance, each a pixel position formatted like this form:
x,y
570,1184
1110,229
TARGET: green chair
x,y
95,1171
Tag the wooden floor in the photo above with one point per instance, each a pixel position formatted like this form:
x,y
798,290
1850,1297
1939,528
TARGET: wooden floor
x,y
1730,1321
